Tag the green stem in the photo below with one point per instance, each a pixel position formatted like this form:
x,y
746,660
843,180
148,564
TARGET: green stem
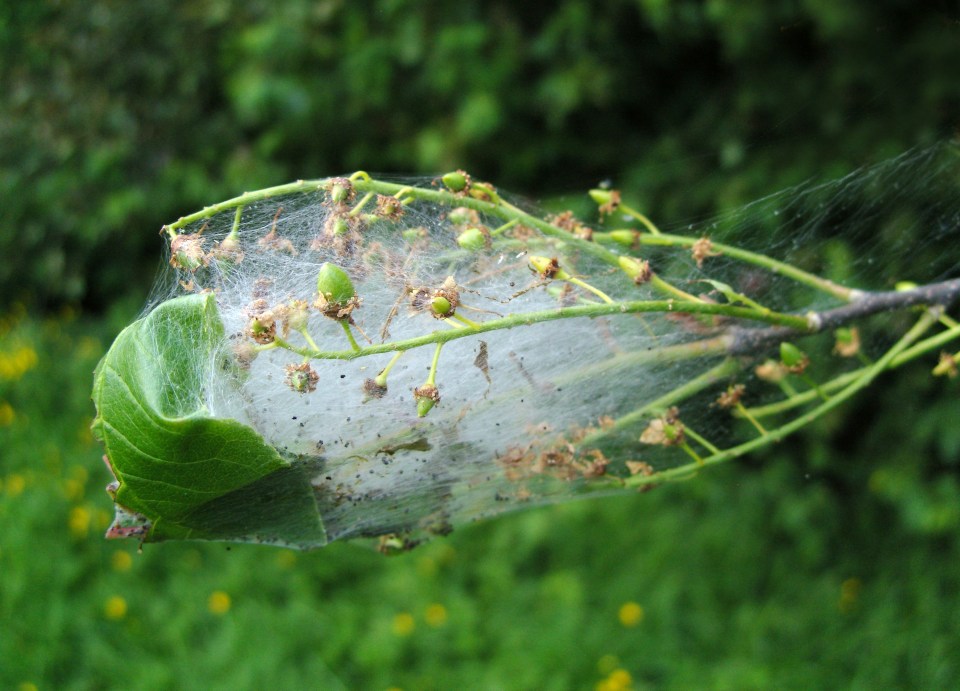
x,y
648,224
776,435
505,227
814,386
657,406
701,440
526,319
769,263
469,322
381,378
586,286
432,376
798,399
308,338
236,223
742,410
353,341
698,462
363,202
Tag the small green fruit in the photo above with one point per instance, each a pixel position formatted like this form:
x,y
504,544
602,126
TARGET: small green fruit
x,y
441,307
334,284
472,239
601,197
793,358
460,216
426,397
456,181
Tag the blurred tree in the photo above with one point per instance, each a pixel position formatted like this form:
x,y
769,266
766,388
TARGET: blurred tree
x,y
118,116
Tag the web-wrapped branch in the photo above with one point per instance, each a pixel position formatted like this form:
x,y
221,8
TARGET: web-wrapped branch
x,y
427,354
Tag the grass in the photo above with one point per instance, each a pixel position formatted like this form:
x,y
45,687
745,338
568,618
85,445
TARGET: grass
x,y
756,575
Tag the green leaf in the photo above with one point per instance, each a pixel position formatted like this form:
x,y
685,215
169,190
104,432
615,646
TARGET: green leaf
x,y
188,474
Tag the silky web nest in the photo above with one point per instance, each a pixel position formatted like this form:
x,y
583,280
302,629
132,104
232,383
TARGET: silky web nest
x,y
353,357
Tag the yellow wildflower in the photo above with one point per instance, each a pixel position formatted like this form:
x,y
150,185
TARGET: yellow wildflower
x,y
403,624
436,615
79,521
115,608
121,561
618,680
218,602
7,416
15,484
630,614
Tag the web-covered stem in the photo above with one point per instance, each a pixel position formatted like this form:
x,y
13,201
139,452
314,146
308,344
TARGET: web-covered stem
x,y
577,358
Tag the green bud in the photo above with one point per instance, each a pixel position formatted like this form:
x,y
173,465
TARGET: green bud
x,y
456,182
302,378
460,216
426,397
625,237
297,314
601,197
341,191
947,366
483,191
187,252
548,268
472,239
411,235
339,226
230,244
637,269
793,358
904,285
334,284
441,307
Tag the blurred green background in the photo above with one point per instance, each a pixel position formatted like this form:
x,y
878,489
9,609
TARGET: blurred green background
x,y
830,562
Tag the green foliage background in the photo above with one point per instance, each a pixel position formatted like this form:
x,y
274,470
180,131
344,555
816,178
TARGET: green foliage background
x,y
829,562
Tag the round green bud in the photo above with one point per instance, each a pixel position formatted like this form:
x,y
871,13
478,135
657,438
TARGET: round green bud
x,y
472,239
460,216
341,191
792,356
441,307
456,181
334,284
